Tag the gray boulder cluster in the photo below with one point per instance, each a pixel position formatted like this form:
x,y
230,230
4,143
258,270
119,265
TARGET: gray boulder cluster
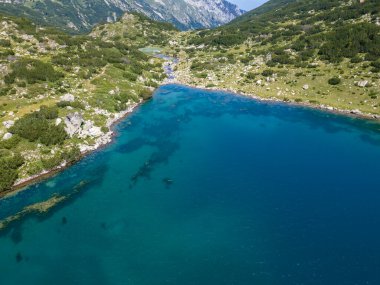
x,y
76,125
68,97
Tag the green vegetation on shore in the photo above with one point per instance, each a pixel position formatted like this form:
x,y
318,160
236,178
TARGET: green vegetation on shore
x,y
59,94
316,52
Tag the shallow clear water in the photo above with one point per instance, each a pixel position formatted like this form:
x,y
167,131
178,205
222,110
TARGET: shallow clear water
x,y
208,188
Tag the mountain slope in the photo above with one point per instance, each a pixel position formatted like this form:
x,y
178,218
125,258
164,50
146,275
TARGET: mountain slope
x,y
269,6
319,52
59,94
82,15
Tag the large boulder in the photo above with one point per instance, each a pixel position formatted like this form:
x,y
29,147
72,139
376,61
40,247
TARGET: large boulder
x,y
95,132
89,129
58,121
73,123
68,97
8,124
363,83
7,136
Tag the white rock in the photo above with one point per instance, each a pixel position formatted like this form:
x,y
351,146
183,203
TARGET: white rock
x,y
95,132
362,83
58,121
356,111
87,126
7,136
305,87
8,124
68,97
73,123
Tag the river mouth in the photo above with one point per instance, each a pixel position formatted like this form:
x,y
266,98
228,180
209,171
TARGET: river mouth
x,y
205,187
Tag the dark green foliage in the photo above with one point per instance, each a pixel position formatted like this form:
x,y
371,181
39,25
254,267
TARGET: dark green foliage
x,y
136,68
334,81
37,127
146,94
130,76
349,40
202,75
10,143
373,94
337,38
53,135
8,170
105,129
4,91
123,97
267,72
282,59
30,127
5,43
5,53
72,155
251,75
196,65
50,163
356,59
376,64
32,71
47,112
7,177
74,104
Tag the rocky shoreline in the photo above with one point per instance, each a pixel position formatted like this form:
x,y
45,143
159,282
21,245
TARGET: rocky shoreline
x,y
348,112
352,113
172,78
102,141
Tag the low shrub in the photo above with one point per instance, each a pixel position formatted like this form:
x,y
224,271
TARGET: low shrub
x,y
334,81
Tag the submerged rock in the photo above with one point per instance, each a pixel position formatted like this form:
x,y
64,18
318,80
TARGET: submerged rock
x,y
167,181
16,236
19,257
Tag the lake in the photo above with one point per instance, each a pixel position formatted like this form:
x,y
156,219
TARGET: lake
x,y
204,187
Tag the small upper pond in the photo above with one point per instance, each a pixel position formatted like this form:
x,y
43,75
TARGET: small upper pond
x,y
207,188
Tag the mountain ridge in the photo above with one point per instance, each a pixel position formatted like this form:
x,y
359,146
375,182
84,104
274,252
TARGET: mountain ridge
x,y
82,15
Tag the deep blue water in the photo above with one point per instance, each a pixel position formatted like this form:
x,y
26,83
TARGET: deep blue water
x,y
208,188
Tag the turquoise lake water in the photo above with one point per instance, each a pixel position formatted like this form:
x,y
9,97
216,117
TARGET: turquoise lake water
x,y
208,188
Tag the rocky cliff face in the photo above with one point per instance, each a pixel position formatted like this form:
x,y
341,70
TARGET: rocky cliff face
x,y
189,14
82,15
